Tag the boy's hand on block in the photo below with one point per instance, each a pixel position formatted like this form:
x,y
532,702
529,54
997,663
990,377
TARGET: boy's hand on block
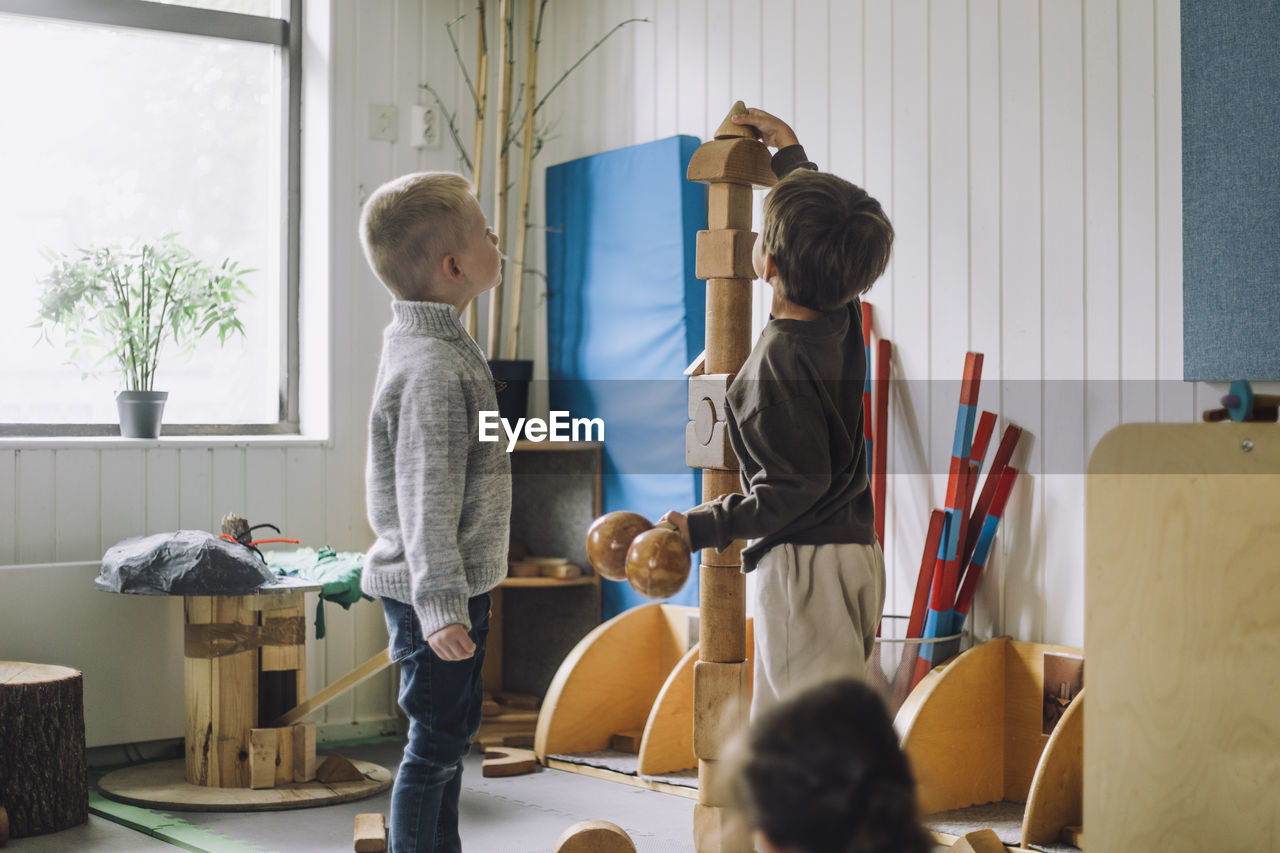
x,y
681,524
773,131
452,643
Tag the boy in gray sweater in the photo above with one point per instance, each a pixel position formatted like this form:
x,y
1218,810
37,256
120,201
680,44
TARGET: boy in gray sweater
x,y
795,423
439,500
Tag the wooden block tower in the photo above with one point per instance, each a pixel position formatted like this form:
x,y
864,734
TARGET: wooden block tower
x,y
731,165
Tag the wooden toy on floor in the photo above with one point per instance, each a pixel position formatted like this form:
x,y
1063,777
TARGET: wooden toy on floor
x,y
371,833
507,761
594,836
980,841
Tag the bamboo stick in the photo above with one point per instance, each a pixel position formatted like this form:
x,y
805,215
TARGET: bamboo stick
x,y
526,178
505,61
482,103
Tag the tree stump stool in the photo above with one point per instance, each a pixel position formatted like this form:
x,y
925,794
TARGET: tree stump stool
x,y
43,782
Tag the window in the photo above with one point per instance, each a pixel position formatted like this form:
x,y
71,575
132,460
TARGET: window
x,y
127,120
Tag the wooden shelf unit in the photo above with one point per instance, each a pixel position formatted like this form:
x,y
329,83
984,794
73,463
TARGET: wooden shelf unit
x,y
556,494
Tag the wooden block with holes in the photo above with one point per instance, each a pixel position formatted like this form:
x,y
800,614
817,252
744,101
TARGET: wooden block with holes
x,y
721,700
724,253
371,833
706,438
263,757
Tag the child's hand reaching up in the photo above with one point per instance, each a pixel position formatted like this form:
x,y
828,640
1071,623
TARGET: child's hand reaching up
x,y
773,131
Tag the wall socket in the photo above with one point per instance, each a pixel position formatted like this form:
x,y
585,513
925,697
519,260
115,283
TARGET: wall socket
x,y
384,119
424,127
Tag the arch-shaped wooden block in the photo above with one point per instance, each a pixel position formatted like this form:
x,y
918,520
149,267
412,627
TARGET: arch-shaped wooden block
x,y
733,161
1057,791
972,730
610,680
594,836
667,745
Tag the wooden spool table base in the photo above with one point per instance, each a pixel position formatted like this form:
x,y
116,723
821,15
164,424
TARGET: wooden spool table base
x,y
161,784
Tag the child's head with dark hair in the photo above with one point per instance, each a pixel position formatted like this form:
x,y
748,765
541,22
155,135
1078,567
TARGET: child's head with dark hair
x,y
829,240
823,773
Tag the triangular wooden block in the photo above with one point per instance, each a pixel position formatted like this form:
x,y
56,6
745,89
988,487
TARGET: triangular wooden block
x,y
980,841
336,768
729,130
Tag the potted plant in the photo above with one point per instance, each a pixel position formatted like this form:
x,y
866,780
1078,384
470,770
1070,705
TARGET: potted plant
x,y
119,303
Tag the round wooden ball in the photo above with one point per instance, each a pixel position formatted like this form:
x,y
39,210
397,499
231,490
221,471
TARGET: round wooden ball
x,y
608,539
594,836
658,563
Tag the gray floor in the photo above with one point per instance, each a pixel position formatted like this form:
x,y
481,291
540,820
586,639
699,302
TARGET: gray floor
x,y
518,814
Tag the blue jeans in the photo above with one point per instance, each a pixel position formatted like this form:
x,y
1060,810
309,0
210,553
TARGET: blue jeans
x,y
443,701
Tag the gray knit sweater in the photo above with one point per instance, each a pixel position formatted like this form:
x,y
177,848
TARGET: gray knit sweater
x,y
439,500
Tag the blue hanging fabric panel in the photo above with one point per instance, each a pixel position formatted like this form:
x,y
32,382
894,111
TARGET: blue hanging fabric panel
x,y
625,317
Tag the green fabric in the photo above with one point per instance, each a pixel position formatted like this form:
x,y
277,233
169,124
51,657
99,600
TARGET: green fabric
x,y
337,573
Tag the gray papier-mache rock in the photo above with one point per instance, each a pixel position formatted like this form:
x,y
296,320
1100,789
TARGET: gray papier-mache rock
x,y
185,562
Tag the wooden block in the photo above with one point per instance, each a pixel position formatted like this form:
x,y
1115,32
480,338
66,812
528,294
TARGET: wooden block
x,y
734,161
718,829
721,700
1073,835
706,436
979,841
490,708
507,761
262,758
714,452
518,701
728,324
522,569
371,833
523,741
728,206
729,130
724,253
336,768
304,752
594,836
714,786
628,741
561,571
722,628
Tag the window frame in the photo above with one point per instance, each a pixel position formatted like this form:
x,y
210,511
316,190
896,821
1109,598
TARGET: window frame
x,y
285,33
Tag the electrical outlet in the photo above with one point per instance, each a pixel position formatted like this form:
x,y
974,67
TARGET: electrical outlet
x,y
430,127
383,121
424,127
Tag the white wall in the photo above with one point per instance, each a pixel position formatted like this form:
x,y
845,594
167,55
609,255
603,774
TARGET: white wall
x,y
1028,154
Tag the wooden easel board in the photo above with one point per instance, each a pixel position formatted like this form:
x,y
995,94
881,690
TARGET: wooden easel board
x,y
1182,595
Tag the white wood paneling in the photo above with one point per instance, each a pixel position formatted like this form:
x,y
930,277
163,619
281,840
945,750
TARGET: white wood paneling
x,y
1028,154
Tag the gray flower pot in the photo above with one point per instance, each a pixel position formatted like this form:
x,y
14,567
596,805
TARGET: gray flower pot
x,y
140,412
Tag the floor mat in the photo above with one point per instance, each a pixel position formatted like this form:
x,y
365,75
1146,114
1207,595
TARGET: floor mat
x,y
516,814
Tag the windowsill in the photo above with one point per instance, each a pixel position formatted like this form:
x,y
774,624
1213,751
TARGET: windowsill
x,y
174,442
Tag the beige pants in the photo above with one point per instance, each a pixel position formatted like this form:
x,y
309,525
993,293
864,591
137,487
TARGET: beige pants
x,y
817,608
